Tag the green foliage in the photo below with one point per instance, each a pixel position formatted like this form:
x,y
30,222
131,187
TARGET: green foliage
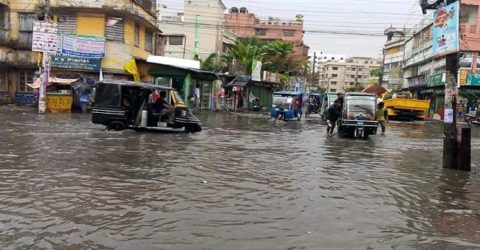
x,y
375,72
214,62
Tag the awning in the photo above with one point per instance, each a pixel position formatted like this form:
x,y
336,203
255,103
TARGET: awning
x,y
52,80
239,81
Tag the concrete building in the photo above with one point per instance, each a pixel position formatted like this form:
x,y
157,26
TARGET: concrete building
x,y
354,72
321,57
392,73
245,24
425,76
129,27
197,32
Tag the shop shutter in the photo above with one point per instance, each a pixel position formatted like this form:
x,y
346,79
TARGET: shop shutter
x,y
114,29
67,23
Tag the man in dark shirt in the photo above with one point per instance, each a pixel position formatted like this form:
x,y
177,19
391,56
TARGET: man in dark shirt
x,y
161,106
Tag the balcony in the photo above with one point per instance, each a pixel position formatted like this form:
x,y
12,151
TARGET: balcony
x,y
144,9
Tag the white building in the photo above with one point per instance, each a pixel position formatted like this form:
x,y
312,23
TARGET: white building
x,y
198,31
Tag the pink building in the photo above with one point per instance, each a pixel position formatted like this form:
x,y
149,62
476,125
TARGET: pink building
x,y
470,25
245,25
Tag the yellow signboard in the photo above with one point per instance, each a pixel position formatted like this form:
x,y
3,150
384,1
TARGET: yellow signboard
x,y
57,103
463,77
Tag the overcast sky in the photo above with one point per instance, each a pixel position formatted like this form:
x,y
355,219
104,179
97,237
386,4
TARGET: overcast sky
x,y
363,21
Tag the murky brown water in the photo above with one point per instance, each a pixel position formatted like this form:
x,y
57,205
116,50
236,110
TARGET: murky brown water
x,y
242,183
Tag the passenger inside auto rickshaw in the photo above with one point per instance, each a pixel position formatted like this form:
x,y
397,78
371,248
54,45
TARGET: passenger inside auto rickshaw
x,y
161,108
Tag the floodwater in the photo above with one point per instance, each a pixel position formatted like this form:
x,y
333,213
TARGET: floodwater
x,y
244,182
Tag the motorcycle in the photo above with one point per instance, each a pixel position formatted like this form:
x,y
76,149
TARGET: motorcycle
x,y
472,120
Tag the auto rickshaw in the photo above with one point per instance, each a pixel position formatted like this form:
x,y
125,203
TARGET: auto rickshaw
x,y
358,116
327,101
125,104
314,104
287,106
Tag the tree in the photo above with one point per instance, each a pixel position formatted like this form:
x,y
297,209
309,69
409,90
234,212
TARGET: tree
x,y
214,62
299,18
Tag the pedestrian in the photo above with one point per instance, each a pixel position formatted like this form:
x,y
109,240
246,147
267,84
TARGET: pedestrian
x,y
460,109
382,116
84,102
333,113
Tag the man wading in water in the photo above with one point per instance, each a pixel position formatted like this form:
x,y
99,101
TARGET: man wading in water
x,y
333,113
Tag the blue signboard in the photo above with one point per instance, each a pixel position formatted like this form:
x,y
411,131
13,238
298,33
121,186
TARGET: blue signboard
x,y
446,30
25,98
473,79
67,62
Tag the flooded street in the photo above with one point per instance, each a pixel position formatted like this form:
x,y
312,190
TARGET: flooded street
x,y
244,182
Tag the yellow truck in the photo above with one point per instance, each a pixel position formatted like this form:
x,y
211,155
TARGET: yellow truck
x,y
403,107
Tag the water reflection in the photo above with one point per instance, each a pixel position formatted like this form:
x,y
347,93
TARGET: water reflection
x,y
245,182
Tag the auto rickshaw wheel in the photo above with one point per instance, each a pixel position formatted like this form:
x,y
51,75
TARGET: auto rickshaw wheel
x,y
116,126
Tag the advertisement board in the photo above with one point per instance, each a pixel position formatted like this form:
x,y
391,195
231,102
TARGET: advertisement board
x,y
446,30
83,46
44,38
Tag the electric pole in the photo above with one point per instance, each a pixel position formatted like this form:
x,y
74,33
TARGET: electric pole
x,y
313,67
42,102
456,141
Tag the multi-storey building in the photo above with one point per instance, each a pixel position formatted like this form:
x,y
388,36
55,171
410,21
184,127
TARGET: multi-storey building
x,y
245,24
392,74
354,72
129,27
197,32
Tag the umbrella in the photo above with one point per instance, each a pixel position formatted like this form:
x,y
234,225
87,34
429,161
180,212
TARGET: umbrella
x,y
375,89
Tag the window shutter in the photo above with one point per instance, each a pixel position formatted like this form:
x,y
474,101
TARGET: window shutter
x,y
114,32
67,23
148,41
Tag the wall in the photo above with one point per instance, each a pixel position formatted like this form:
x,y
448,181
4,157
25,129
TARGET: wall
x,y
470,32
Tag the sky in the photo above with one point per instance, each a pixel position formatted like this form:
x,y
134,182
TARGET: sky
x,y
360,22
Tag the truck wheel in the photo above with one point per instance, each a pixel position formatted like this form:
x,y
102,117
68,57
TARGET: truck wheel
x,y
116,125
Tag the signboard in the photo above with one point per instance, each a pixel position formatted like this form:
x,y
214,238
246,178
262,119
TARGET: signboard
x,y
473,79
462,76
67,62
83,46
25,98
446,30
45,37
436,80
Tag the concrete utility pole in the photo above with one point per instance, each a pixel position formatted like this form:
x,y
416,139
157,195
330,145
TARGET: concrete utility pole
x,y
456,141
313,68
42,103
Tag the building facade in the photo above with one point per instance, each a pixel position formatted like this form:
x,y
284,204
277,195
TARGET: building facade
x,y
128,26
392,73
245,25
353,73
197,32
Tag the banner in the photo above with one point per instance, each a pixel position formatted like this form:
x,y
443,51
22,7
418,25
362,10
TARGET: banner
x,y
67,62
257,71
44,38
131,67
83,46
446,30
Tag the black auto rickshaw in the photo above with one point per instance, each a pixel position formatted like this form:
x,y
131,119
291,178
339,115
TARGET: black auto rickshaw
x,y
125,104
358,116
313,103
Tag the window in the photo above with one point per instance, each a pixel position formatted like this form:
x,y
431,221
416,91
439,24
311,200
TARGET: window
x,y
3,81
25,77
334,75
26,28
352,76
114,29
335,68
175,40
352,83
148,41
360,69
289,33
3,16
334,83
333,90
468,14
260,32
136,40
353,69
67,23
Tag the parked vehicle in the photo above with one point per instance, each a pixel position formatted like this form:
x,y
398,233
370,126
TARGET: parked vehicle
x,y
287,106
403,107
124,104
314,104
472,120
327,101
358,116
